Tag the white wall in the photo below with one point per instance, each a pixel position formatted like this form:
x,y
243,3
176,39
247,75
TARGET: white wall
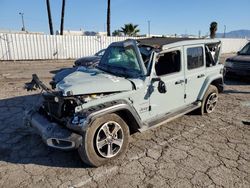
x,y
35,46
232,45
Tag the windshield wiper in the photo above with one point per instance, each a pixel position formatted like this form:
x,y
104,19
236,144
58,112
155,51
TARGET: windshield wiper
x,y
119,70
108,69
103,69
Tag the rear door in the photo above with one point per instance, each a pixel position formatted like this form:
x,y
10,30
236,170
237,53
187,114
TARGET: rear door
x,y
195,73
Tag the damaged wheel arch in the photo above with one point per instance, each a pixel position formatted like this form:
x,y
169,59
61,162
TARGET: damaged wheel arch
x,y
120,107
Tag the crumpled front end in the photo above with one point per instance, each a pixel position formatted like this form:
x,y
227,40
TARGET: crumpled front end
x,y
53,134
56,119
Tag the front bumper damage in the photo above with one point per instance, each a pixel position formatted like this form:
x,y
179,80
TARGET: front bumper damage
x,y
53,135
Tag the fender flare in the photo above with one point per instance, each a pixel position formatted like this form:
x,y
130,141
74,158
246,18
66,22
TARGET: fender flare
x,y
94,112
207,83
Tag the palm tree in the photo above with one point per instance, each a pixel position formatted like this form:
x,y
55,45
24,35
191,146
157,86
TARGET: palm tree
x,y
62,17
108,18
117,33
49,17
130,30
213,29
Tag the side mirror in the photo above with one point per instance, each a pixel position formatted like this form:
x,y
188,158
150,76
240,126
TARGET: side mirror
x,y
162,87
238,53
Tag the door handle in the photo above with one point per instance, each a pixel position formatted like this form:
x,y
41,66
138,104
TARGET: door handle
x,y
201,75
179,82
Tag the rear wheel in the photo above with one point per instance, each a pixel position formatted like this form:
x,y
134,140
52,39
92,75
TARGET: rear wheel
x,y
210,100
105,140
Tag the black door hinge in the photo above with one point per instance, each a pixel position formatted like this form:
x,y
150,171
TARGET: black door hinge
x,y
185,96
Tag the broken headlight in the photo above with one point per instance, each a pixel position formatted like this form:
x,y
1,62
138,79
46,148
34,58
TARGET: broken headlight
x,y
78,120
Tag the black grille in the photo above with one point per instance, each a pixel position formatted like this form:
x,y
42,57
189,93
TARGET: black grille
x,y
51,107
57,110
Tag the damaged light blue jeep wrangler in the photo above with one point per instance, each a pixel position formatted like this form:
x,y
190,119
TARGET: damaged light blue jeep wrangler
x,y
138,85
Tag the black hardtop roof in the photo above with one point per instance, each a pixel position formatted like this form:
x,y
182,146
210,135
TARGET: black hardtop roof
x,y
158,42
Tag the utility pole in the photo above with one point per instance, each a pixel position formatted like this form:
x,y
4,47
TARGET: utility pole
x,y
199,33
225,28
23,27
149,28
50,18
62,17
108,19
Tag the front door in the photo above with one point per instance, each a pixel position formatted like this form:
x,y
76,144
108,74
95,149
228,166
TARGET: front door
x,y
169,68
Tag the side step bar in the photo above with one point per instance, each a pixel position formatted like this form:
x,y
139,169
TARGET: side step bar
x,y
171,116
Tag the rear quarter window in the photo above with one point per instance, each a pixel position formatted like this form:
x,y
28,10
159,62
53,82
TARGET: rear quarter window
x,y
195,58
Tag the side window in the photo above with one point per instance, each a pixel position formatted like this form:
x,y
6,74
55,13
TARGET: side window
x,y
168,63
100,53
246,49
195,57
212,53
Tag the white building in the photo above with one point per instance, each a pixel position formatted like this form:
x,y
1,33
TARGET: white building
x,y
83,33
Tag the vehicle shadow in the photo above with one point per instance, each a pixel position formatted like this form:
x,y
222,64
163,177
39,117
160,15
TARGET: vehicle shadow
x,y
237,81
236,91
20,145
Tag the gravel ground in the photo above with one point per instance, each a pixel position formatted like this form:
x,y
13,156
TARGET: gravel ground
x,y
192,151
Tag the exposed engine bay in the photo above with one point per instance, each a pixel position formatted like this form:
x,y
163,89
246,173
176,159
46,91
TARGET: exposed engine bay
x,y
54,105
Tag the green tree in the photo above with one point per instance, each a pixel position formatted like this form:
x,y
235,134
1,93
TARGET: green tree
x,y
117,33
130,30
108,18
213,29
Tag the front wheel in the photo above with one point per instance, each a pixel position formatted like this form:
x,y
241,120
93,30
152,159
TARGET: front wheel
x,y
210,100
105,140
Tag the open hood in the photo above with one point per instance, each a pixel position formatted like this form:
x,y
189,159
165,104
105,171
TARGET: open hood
x,y
88,81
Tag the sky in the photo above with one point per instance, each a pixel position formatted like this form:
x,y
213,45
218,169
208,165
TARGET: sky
x,y
165,16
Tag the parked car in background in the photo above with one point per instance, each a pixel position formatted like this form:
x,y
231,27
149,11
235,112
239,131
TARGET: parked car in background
x,y
90,61
82,63
239,65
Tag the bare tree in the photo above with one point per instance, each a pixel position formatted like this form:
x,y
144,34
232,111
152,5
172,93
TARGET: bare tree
x,y
62,17
213,29
108,19
50,18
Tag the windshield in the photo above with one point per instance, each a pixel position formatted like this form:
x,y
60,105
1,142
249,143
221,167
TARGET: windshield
x,y
120,61
100,53
245,50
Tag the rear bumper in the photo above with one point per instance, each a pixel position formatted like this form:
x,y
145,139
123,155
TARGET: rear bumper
x,y
52,134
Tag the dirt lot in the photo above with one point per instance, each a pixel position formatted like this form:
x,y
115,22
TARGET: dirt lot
x,y
193,151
